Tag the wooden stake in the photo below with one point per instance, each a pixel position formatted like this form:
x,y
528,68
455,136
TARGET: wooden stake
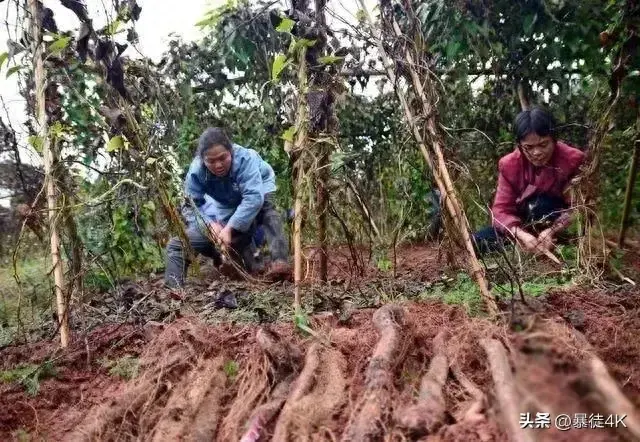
x,y
49,159
297,241
323,149
298,151
522,96
322,205
440,172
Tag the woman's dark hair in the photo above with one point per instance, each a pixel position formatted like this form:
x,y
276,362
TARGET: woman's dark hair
x,y
535,120
211,137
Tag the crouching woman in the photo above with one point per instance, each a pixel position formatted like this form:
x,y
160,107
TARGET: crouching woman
x,y
232,189
530,204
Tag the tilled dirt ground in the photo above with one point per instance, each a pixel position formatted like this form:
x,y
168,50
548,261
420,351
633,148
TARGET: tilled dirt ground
x,y
381,364
414,371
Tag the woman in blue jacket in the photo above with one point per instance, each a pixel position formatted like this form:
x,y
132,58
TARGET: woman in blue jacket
x,y
232,189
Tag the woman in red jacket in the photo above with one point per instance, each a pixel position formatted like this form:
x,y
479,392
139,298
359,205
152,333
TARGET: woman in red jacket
x,y
531,204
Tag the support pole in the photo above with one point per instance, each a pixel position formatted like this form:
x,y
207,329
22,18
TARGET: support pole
x,y
48,154
437,165
628,195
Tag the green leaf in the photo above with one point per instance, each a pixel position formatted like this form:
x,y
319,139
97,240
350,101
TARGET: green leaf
x,y
112,28
452,49
116,143
289,134
329,59
301,321
36,142
56,129
279,63
286,25
59,45
205,22
529,21
231,369
361,15
305,42
150,206
13,70
3,57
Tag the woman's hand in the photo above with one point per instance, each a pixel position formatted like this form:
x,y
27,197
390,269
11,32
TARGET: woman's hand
x,y
225,236
532,244
215,228
545,239
527,241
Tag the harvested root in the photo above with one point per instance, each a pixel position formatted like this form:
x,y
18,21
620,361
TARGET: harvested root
x,y
134,411
429,413
505,389
186,399
474,411
283,354
265,413
253,384
612,398
316,409
276,359
366,422
98,424
299,388
205,422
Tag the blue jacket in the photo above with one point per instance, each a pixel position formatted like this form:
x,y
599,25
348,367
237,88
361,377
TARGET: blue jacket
x,y
234,200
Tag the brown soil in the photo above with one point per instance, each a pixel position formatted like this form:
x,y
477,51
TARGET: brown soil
x,y
414,371
185,372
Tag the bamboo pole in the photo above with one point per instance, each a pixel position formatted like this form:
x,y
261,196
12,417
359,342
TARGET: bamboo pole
x,y
522,96
322,204
322,173
440,171
628,195
298,151
49,158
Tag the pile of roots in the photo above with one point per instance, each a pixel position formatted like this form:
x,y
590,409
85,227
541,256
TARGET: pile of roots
x,y
424,373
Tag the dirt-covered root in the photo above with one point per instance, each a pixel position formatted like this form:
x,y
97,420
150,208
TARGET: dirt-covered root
x,y
429,413
472,422
315,410
505,387
271,363
265,413
285,356
300,387
610,396
588,384
373,407
193,405
103,423
484,430
175,351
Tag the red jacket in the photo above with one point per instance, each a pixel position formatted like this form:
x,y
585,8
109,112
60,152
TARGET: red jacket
x,y
518,179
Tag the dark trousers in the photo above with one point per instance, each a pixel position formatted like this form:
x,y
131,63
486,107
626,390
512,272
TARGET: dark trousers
x,y
537,213
242,246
